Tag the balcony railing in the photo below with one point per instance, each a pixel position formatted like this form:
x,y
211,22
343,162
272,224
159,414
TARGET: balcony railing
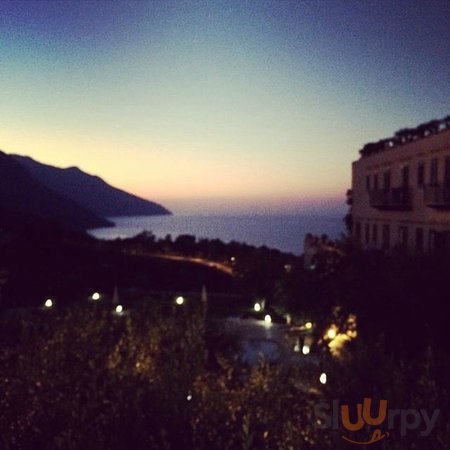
x,y
437,197
391,199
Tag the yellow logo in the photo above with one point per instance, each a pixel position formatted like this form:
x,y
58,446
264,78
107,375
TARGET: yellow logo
x,y
364,417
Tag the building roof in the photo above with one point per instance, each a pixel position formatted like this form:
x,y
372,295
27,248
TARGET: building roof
x,y
406,135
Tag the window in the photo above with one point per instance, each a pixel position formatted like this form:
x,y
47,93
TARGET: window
x,y
447,172
358,233
419,239
420,174
386,237
368,182
405,176
446,190
403,237
434,168
387,180
432,240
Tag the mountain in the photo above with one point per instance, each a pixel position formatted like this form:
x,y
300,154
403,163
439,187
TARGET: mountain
x,y
90,191
22,196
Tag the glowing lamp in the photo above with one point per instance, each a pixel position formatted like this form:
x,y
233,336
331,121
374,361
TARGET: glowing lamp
x,y
331,333
48,303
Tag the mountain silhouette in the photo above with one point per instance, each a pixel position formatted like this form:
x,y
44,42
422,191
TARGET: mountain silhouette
x,y
24,198
90,191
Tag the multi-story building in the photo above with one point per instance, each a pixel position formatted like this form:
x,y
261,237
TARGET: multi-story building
x,y
401,190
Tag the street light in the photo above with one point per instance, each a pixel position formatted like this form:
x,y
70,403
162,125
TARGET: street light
x,y
323,378
179,300
257,307
119,309
331,333
306,349
308,325
95,296
268,319
48,303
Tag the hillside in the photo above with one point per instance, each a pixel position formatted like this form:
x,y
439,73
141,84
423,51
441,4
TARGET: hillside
x,y
22,197
90,191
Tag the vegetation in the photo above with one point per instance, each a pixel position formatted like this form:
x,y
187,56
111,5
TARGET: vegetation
x,y
69,267
406,135
164,377
86,379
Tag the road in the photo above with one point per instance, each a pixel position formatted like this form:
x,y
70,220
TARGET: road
x,y
204,262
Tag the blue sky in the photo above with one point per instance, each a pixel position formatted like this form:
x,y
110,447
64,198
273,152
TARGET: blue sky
x,y
219,106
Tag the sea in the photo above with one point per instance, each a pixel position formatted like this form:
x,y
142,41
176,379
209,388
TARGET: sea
x,y
282,232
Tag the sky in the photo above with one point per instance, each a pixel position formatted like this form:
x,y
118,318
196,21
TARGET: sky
x,y
219,106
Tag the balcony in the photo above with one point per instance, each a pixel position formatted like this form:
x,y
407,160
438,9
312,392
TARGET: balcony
x,y
396,199
437,197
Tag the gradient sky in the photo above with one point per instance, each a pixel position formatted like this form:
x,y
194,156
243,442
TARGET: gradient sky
x,y
219,106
